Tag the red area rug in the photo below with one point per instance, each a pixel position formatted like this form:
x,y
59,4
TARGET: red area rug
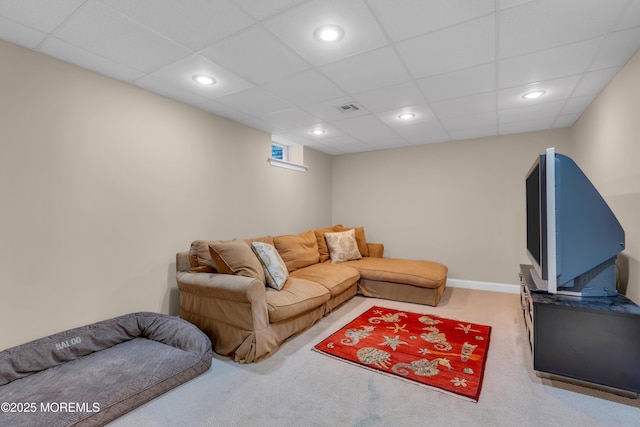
x,y
443,354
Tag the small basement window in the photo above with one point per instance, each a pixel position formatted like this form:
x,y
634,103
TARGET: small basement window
x,y
287,156
279,151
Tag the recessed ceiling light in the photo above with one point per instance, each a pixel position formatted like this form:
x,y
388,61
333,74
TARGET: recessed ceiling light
x,y
318,132
406,116
535,94
204,79
329,33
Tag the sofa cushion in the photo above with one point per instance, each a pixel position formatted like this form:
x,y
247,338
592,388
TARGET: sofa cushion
x,y
336,278
296,297
298,251
275,270
342,246
236,257
425,274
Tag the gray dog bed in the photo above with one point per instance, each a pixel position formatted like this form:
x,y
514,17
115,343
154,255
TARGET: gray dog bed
x,y
91,375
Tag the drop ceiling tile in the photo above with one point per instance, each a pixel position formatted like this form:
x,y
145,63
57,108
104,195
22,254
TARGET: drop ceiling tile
x,y
565,121
548,64
470,121
180,74
367,71
459,83
101,29
260,124
305,132
473,104
296,28
616,49
39,15
577,105
264,9
20,34
291,118
74,55
390,97
593,82
423,132
522,126
559,89
505,4
328,110
422,113
256,55
365,128
350,149
161,87
254,101
428,138
530,27
304,88
454,48
386,144
630,16
222,110
472,133
194,24
342,140
545,111
405,19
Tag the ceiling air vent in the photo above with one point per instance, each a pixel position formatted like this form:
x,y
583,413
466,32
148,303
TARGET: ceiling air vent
x,y
348,108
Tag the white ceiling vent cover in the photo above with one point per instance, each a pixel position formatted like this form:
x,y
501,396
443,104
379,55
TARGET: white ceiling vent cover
x,y
348,108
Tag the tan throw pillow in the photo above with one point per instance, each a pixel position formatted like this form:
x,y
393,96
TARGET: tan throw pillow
x,y
236,257
323,250
275,270
199,257
360,239
342,246
298,251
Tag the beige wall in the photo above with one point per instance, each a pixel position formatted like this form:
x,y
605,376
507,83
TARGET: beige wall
x,y
460,203
102,183
606,145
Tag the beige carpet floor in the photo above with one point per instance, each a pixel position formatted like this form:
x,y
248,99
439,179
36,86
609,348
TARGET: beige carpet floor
x,y
301,387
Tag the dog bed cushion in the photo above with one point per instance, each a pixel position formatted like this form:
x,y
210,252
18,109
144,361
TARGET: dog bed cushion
x,y
91,375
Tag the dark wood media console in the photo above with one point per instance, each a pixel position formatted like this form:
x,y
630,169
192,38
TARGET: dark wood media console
x,y
594,341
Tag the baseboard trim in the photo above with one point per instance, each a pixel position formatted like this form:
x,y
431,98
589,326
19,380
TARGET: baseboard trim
x,y
483,286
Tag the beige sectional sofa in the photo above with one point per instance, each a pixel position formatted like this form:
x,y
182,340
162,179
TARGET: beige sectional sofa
x,y
251,295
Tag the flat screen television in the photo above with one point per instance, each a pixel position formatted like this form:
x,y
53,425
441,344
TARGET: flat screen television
x,y
573,237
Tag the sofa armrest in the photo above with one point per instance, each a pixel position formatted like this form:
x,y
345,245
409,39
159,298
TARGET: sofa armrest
x,y
376,250
235,300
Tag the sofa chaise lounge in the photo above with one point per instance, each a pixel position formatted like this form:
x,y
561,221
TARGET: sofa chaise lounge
x,y
223,287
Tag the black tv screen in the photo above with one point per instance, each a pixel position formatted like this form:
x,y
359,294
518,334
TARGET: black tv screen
x,y
533,213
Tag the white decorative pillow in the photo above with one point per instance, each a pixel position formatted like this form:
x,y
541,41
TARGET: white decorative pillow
x,y
342,246
275,270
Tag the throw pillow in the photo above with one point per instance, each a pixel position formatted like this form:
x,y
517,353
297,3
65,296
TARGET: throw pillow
x,y
323,250
342,246
236,257
275,270
298,251
360,239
